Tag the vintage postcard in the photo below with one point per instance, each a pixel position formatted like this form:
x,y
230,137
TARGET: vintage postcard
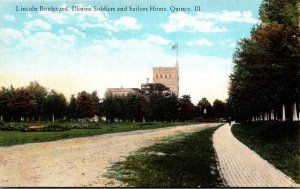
x,y
139,93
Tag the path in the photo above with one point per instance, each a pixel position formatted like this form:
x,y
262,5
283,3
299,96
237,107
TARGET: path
x,y
241,167
76,162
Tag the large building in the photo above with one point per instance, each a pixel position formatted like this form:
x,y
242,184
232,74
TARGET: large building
x,y
169,76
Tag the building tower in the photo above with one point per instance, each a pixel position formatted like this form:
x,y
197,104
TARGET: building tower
x,y
169,76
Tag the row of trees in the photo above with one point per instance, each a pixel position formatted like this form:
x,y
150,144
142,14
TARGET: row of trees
x,y
156,103
266,64
35,102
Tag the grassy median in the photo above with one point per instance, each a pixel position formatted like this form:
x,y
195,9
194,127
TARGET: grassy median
x,y
186,160
8,138
277,142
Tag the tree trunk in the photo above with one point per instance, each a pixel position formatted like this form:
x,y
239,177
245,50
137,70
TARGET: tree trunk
x,y
53,118
295,116
283,113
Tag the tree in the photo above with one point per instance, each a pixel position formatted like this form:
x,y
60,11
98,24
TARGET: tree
x,y
72,108
219,108
156,88
131,101
171,107
97,104
6,94
265,65
85,105
142,106
205,108
158,107
56,105
22,104
110,107
186,108
39,95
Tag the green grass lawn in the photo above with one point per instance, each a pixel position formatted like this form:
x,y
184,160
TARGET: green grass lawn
x,y
277,142
186,160
8,138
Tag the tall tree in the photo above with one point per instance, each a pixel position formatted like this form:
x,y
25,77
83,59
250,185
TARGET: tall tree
x,y
72,108
171,105
97,104
186,108
39,94
158,107
205,108
22,104
131,101
142,106
265,65
85,105
110,107
219,108
6,94
56,105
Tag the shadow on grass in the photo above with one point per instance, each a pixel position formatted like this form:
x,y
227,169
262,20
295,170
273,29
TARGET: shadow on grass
x,y
186,160
277,142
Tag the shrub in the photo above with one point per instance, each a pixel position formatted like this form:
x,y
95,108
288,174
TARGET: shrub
x,y
56,128
84,126
10,126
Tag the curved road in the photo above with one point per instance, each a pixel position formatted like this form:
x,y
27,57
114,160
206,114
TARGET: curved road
x,y
76,162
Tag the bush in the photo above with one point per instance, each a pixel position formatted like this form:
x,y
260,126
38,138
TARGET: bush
x,y
84,126
10,126
56,128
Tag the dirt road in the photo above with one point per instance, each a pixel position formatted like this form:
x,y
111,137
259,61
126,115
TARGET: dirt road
x,y
76,162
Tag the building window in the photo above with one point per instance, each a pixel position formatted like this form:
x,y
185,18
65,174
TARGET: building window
x,y
156,75
170,76
160,75
166,76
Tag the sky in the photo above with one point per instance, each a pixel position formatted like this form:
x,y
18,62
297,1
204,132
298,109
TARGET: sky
x,y
71,51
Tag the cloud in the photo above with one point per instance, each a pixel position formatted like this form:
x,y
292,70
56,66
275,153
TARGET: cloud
x,y
99,64
228,42
229,16
200,42
232,45
127,23
47,42
184,22
37,24
75,31
123,23
58,18
9,17
8,35
205,22
158,40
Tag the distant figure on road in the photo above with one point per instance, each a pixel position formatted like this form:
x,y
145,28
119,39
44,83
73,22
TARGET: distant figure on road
x,y
229,120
